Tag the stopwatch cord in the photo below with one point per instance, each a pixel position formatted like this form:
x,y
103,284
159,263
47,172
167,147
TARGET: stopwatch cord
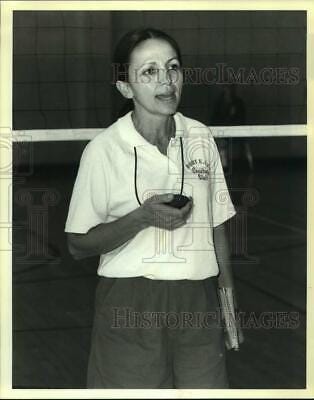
x,y
182,165
135,171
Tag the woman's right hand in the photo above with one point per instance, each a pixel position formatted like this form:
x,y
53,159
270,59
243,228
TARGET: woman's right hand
x,y
154,212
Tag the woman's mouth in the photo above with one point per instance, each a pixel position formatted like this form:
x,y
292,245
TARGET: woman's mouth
x,y
166,97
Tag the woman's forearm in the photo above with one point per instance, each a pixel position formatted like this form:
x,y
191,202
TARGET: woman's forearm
x,y
105,237
222,250
225,278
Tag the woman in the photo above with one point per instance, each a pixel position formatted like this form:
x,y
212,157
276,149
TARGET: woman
x,y
156,322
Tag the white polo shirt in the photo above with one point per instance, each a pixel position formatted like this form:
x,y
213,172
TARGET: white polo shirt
x,y
104,191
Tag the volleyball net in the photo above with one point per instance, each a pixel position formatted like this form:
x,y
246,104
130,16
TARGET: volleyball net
x,y
62,70
220,132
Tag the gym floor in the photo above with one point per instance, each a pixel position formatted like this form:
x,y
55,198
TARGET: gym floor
x,y
53,294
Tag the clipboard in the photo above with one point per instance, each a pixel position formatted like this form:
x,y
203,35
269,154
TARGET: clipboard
x,y
232,330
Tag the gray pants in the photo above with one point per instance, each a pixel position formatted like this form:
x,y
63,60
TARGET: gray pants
x,y
157,334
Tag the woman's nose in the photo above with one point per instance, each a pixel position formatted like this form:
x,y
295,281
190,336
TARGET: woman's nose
x,y
165,76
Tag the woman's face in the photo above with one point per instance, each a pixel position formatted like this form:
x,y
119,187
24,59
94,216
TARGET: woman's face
x,y
155,78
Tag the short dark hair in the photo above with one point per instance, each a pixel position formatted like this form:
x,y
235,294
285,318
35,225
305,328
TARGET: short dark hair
x,y
128,43
123,51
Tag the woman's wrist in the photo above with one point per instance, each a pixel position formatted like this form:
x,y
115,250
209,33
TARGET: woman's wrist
x,y
139,218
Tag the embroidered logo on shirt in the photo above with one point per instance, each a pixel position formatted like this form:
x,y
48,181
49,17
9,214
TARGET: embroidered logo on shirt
x,y
199,167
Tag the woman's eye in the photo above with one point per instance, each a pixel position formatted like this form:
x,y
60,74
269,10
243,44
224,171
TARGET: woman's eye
x,y
150,71
175,67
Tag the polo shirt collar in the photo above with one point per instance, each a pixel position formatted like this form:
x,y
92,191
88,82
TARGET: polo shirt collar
x,y
132,136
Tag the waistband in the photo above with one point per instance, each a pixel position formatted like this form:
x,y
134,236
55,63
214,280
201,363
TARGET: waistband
x,y
166,282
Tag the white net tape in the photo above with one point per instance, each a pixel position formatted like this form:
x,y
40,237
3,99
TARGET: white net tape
x,y
249,131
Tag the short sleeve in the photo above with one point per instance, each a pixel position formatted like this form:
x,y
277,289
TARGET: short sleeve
x,y
221,205
90,196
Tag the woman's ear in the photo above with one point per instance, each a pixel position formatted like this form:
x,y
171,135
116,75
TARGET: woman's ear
x,y
124,89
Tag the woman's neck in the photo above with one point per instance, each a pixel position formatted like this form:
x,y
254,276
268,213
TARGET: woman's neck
x,y
156,130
